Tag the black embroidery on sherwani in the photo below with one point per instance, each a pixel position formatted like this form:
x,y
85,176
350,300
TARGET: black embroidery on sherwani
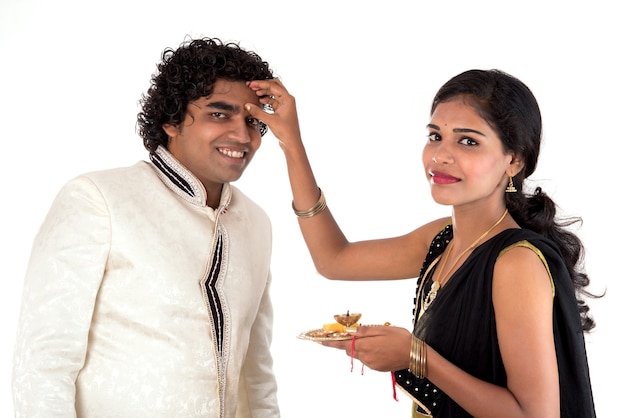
x,y
171,174
210,285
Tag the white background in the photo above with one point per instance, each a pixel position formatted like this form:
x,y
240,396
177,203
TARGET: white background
x,y
364,73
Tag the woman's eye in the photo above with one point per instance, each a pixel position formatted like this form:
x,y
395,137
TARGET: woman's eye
x,y
468,141
433,136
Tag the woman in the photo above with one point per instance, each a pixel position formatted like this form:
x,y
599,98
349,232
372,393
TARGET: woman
x,y
499,313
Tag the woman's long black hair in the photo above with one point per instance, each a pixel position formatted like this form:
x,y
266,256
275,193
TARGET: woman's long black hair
x,y
512,111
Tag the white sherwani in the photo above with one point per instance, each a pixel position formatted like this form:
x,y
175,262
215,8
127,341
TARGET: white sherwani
x,y
141,301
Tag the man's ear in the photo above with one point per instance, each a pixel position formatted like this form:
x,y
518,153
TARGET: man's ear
x,y
170,130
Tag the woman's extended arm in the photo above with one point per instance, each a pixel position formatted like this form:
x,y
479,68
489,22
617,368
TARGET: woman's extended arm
x,y
334,256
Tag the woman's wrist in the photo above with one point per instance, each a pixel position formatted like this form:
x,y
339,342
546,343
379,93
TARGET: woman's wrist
x,y
417,357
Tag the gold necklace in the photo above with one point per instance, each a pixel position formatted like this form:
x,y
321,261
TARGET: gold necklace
x,y
434,288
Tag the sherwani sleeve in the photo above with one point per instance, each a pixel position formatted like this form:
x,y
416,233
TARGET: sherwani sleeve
x,y
63,276
257,394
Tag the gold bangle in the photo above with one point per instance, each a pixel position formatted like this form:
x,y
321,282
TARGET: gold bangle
x,y
423,358
314,210
417,362
412,355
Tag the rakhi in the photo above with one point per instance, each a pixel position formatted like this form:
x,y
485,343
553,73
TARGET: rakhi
x,y
393,376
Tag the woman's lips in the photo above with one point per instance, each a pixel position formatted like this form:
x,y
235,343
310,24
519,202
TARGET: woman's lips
x,y
438,177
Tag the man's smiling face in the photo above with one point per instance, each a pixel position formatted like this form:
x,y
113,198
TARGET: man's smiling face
x,y
218,137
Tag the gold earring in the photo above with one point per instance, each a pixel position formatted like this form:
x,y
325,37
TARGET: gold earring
x,y
511,187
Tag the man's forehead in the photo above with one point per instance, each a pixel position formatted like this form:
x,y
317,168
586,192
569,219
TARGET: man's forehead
x,y
233,93
224,102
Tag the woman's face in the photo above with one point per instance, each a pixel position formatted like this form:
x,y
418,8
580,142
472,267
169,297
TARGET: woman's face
x,y
464,158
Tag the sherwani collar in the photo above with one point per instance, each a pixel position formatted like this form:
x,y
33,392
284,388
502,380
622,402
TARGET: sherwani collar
x,y
182,182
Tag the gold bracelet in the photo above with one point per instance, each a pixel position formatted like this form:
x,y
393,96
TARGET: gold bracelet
x,y
423,358
314,210
417,362
413,353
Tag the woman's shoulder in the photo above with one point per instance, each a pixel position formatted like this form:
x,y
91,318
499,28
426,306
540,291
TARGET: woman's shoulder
x,y
515,238
437,229
511,237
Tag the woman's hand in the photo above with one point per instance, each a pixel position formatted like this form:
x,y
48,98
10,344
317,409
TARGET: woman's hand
x,y
382,348
282,118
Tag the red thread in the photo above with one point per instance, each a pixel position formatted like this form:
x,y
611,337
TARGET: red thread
x,y
393,384
352,357
393,376
352,354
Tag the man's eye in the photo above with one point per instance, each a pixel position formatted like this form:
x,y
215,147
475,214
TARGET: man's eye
x,y
253,122
218,115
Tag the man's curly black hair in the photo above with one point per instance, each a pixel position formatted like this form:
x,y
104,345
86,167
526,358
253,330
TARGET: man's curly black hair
x,y
187,74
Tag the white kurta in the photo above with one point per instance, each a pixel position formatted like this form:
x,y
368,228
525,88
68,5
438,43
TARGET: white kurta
x,y
117,319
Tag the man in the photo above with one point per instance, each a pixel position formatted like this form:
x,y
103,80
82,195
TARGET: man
x,y
147,292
